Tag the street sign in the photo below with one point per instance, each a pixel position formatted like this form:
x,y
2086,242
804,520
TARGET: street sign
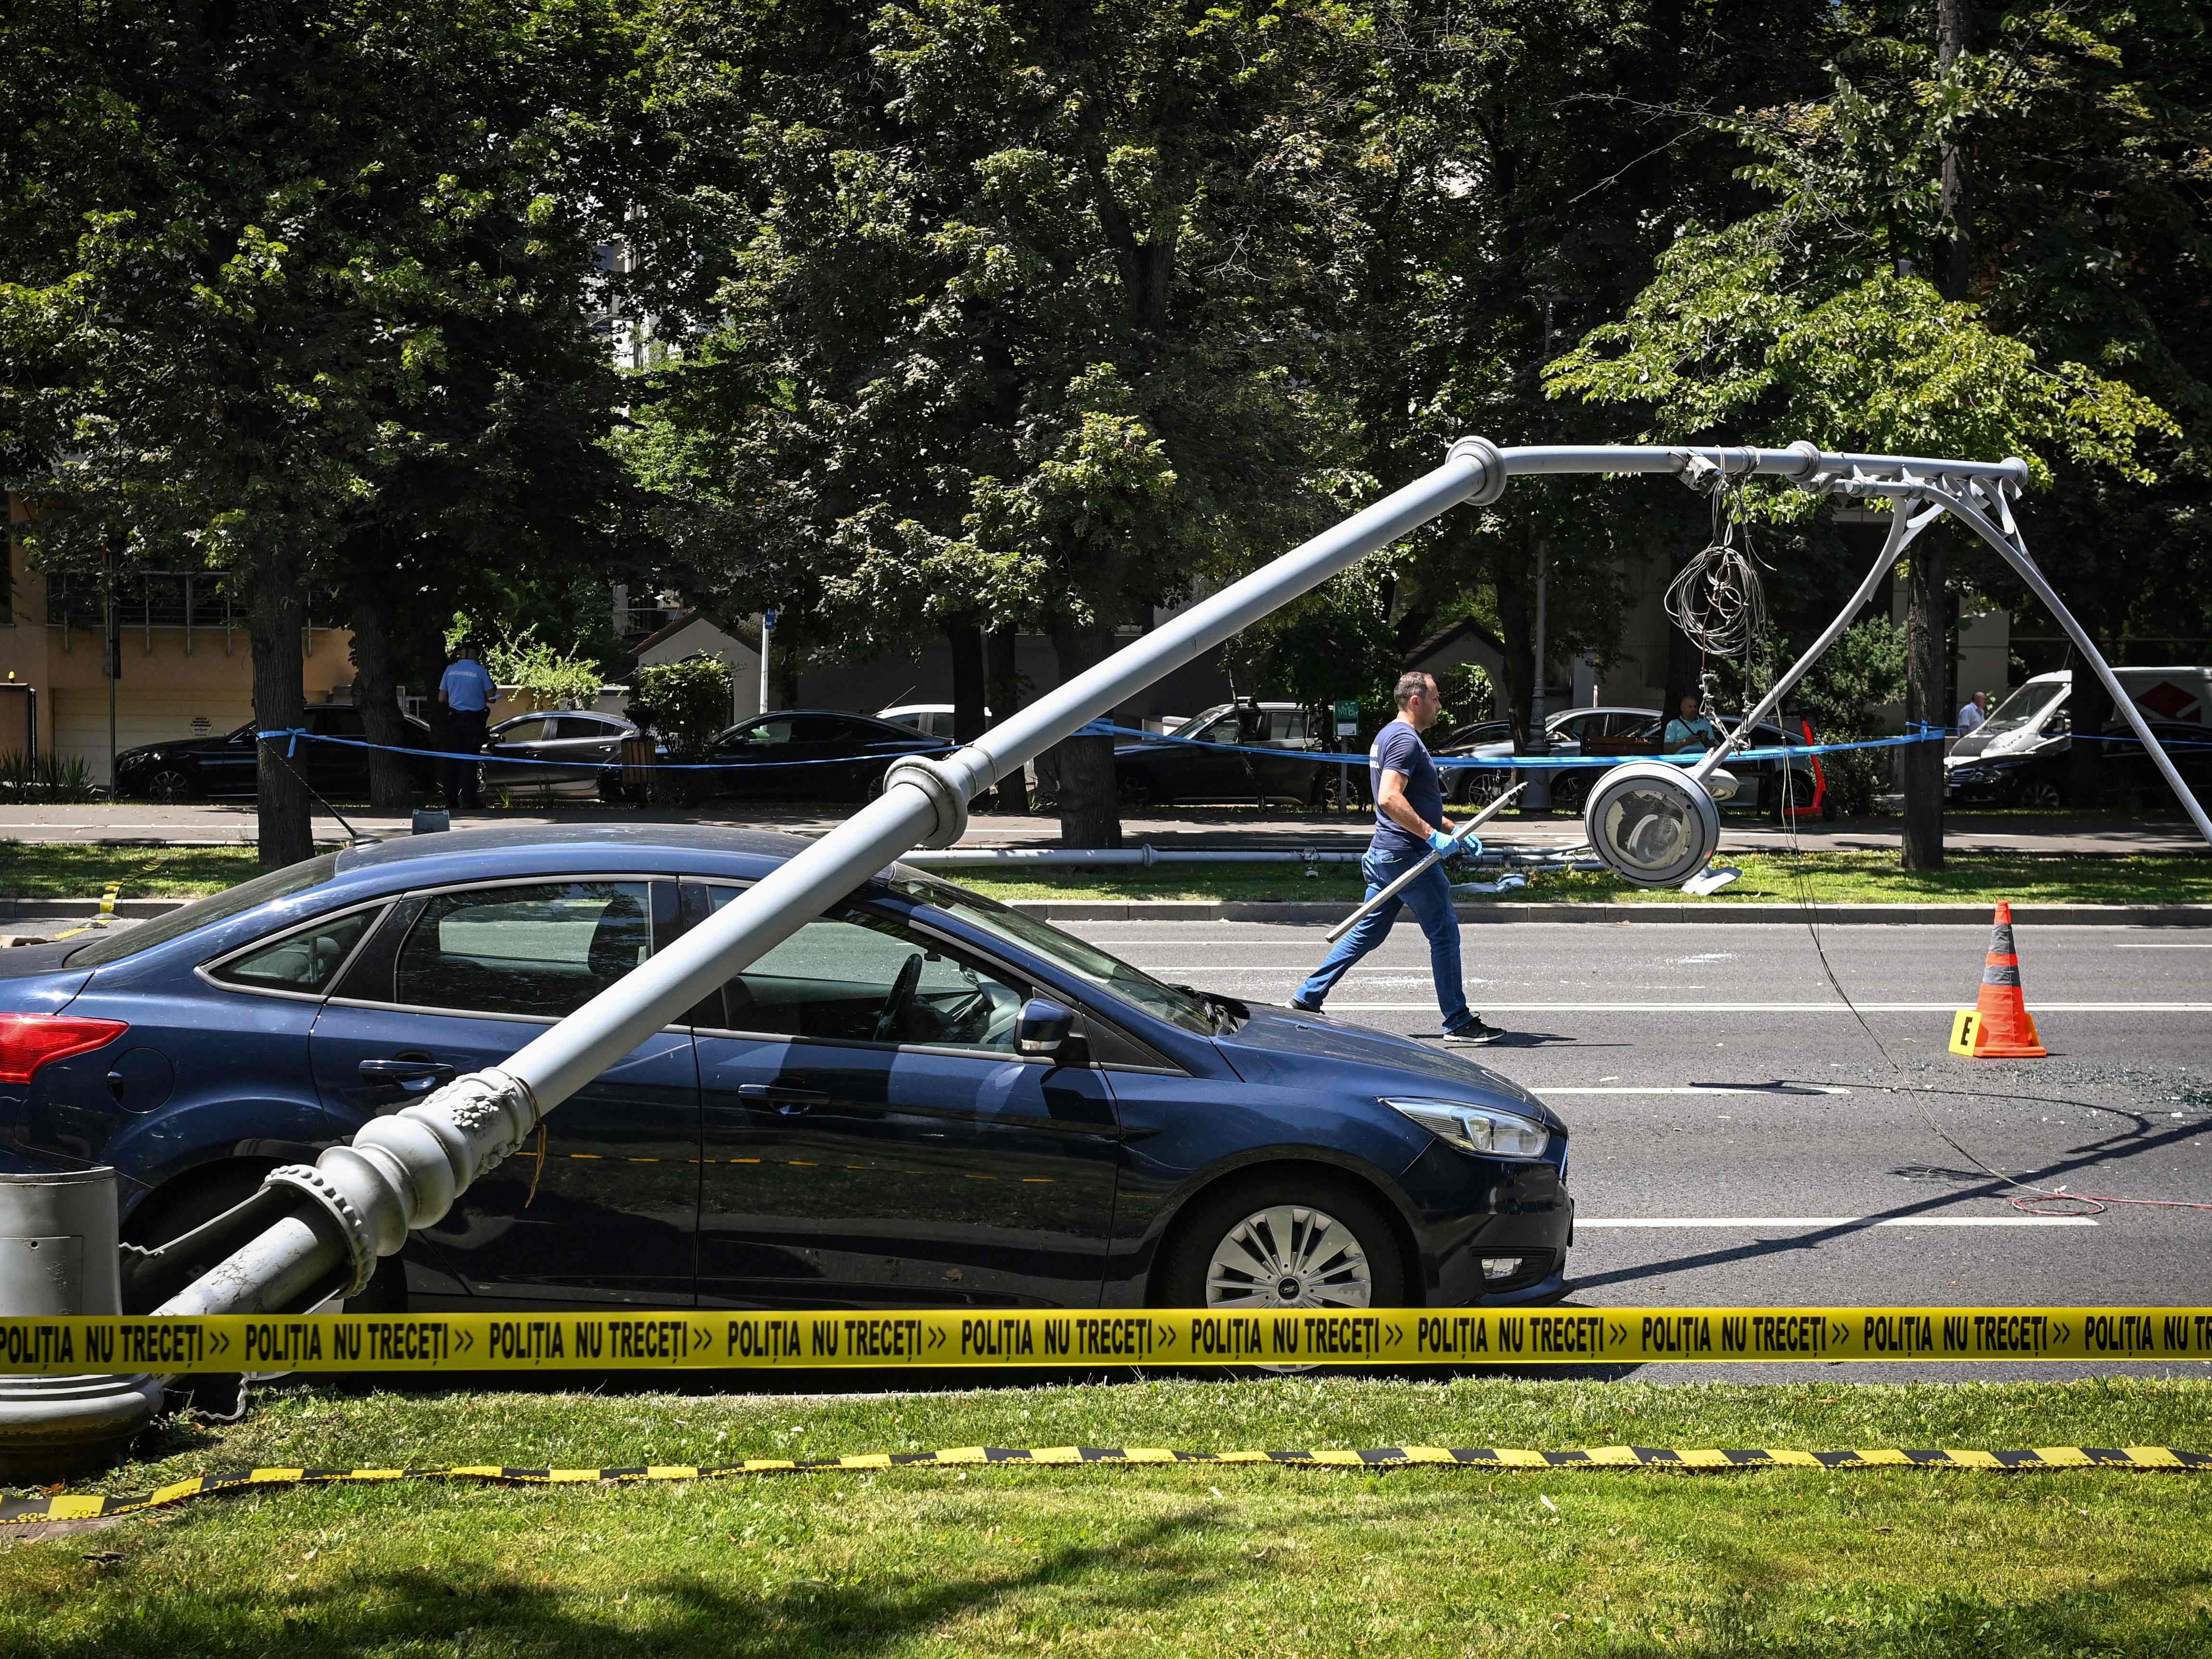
x,y
1348,718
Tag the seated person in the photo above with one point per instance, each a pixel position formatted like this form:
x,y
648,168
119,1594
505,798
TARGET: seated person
x,y
1690,730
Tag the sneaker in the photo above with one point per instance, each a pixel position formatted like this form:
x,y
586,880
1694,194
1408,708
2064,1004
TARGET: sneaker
x,y
1473,1035
1298,1007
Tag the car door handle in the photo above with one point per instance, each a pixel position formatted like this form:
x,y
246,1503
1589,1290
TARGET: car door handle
x,y
416,1076
789,1102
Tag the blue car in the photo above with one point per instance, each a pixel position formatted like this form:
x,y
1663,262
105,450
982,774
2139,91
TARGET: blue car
x,y
923,1099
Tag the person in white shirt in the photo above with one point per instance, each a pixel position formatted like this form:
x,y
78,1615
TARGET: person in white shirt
x,y
465,693
1974,713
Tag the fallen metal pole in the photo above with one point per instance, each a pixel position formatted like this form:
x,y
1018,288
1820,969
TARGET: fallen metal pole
x,y
313,1232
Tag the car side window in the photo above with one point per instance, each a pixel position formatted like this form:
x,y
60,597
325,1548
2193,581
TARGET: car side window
x,y
306,961
763,732
545,948
522,731
577,726
853,977
337,722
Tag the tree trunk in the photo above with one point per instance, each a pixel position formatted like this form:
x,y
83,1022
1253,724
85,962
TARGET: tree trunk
x,y
966,639
276,610
2088,710
1954,30
1927,698
1090,802
1012,793
376,694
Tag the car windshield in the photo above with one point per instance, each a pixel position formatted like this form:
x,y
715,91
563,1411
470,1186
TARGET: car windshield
x,y
1191,727
2025,706
1178,1007
277,884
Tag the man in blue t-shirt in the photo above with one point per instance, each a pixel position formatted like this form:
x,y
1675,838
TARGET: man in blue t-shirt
x,y
1409,820
466,694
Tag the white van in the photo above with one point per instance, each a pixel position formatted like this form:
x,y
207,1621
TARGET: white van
x,y
2034,715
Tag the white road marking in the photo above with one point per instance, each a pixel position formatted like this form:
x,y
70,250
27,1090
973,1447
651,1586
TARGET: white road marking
x,y
1769,1007
2200,945
1621,1223
1711,1089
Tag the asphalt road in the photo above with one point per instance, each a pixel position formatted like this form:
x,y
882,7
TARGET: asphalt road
x,y
1740,1138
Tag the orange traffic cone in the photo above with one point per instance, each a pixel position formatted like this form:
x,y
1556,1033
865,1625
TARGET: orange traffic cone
x,y
1998,1026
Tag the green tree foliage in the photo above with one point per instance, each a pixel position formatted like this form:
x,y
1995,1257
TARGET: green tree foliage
x,y
299,293
1016,318
1336,643
550,674
1523,166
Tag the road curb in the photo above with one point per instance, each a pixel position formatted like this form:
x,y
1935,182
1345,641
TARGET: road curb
x,y
139,910
1320,913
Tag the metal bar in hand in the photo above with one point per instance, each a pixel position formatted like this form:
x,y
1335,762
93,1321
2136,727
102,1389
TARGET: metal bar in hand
x,y
1434,858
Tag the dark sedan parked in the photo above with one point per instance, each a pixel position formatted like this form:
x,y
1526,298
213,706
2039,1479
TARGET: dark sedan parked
x,y
192,768
851,1122
2043,776
1156,771
809,754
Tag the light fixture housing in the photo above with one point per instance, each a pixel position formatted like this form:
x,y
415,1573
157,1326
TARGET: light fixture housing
x,y
1652,823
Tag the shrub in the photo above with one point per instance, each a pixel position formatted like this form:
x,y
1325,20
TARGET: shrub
x,y
686,702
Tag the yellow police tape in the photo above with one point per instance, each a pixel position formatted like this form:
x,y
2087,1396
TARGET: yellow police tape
x,y
1691,1461
680,1340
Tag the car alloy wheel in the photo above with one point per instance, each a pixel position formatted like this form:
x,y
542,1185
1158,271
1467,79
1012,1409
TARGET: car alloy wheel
x,y
2042,795
169,785
1289,1255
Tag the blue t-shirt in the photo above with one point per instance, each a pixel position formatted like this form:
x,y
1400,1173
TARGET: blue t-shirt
x,y
468,688
1399,747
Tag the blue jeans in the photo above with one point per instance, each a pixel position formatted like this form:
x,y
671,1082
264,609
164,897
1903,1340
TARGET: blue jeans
x,y
1430,899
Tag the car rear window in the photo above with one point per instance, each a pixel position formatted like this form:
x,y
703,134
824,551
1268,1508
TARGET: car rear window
x,y
221,907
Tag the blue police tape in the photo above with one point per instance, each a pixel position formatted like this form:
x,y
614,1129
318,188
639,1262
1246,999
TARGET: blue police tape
x,y
1533,763
292,735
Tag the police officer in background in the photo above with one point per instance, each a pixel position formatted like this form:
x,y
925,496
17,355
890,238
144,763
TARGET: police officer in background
x,y
1409,820
465,693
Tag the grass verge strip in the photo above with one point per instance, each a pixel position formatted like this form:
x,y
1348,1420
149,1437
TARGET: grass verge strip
x,y
2167,1460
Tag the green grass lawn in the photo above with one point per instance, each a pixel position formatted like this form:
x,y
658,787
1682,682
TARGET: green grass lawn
x,y
1210,1560
42,870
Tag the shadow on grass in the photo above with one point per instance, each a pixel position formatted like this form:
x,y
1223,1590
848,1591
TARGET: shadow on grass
x,y
675,1614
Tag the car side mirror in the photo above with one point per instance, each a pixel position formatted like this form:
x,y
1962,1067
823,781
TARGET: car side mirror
x,y
1046,1030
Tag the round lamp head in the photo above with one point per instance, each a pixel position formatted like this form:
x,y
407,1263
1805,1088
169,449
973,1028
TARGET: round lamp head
x,y
1652,823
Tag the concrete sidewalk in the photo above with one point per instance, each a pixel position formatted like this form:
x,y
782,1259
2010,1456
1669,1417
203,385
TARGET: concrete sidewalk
x,y
232,825
30,917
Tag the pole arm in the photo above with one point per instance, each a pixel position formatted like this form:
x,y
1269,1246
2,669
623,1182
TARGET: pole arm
x,y
1904,526
329,1223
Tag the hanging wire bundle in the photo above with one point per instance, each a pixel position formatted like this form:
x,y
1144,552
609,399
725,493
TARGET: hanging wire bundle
x,y
1716,599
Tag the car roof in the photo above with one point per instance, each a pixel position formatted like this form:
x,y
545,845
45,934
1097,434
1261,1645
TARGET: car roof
x,y
408,860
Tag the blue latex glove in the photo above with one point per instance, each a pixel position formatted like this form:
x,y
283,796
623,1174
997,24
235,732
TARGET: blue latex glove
x,y
1442,841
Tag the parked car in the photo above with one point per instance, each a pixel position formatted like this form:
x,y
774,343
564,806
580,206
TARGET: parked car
x,y
2020,755
922,1099
1763,785
195,768
809,754
931,719
1156,772
549,749
2042,774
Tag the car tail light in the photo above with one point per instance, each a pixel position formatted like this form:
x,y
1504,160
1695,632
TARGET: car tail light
x,y
30,1041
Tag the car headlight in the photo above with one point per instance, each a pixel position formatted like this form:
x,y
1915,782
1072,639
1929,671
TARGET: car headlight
x,y
1480,1129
